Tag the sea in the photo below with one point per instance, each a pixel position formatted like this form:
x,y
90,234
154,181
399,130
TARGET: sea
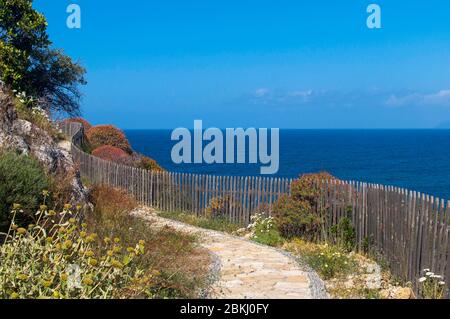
x,y
413,159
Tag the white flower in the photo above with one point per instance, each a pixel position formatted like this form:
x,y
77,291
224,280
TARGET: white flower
x,y
442,283
429,273
426,270
436,276
422,279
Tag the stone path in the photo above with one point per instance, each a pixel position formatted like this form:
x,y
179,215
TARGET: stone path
x,y
248,270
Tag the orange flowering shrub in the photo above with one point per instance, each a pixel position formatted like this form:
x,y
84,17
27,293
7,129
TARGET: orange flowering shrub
x,y
147,163
111,153
108,135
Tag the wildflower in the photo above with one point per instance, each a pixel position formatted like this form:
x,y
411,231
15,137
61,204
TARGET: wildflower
x,y
46,283
117,240
116,250
21,231
93,262
67,207
14,227
426,270
78,207
107,240
56,294
442,283
89,253
83,234
436,276
116,264
67,244
43,208
64,277
17,206
51,213
45,192
141,242
72,220
90,239
422,279
22,277
429,273
130,249
14,295
88,281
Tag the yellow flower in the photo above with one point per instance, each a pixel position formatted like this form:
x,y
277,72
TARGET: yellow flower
x,y
46,283
14,226
62,230
64,277
22,277
116,264
45,192
72,220
93,262
107,240
49,240
14,295
83,234
84,225
78,207
117,240
51,213
67,207
90,239
116,249
109,253
89,253
141,242
17,206
130,249
43,208
67,244
56,294
88,281
21,231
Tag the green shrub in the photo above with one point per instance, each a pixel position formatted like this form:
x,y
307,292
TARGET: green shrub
x,y
147,163
22,180
297,214
264,231
344,234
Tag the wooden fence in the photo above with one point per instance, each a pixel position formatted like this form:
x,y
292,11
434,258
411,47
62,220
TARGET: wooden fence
x,y
408,229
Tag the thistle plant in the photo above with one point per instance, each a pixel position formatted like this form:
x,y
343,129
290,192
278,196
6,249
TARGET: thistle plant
x,y
432,286
56,257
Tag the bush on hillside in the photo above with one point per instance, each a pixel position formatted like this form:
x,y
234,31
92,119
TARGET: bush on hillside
x,y
22,180
108,135
147,163
297,215
111,153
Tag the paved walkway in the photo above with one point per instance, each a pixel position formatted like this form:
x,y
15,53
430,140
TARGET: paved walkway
x,y
249,270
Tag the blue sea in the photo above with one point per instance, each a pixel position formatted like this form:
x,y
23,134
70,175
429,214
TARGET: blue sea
x,y
413,159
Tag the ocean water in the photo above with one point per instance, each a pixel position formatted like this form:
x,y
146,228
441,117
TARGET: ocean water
x,y
413,159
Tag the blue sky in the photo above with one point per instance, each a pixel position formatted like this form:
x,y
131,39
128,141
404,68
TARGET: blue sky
x,y
286,64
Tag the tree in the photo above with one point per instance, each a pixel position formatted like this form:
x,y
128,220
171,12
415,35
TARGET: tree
x,y
29,64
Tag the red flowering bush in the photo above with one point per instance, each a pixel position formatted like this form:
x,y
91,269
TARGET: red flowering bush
x,y
111,153
108,135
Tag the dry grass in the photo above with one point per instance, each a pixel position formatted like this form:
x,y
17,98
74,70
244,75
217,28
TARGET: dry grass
x,y
182,265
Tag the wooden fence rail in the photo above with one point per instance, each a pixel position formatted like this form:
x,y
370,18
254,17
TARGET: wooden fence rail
x,y
408,229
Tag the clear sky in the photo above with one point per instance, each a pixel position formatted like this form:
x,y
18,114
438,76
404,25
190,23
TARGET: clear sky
x,y
258,63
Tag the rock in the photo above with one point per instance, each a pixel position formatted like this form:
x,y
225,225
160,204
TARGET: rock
x,y
27,138
402,293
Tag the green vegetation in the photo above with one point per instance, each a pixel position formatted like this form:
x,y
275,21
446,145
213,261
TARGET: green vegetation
x,y
22,180
219,224
111,255
263,231
28,64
